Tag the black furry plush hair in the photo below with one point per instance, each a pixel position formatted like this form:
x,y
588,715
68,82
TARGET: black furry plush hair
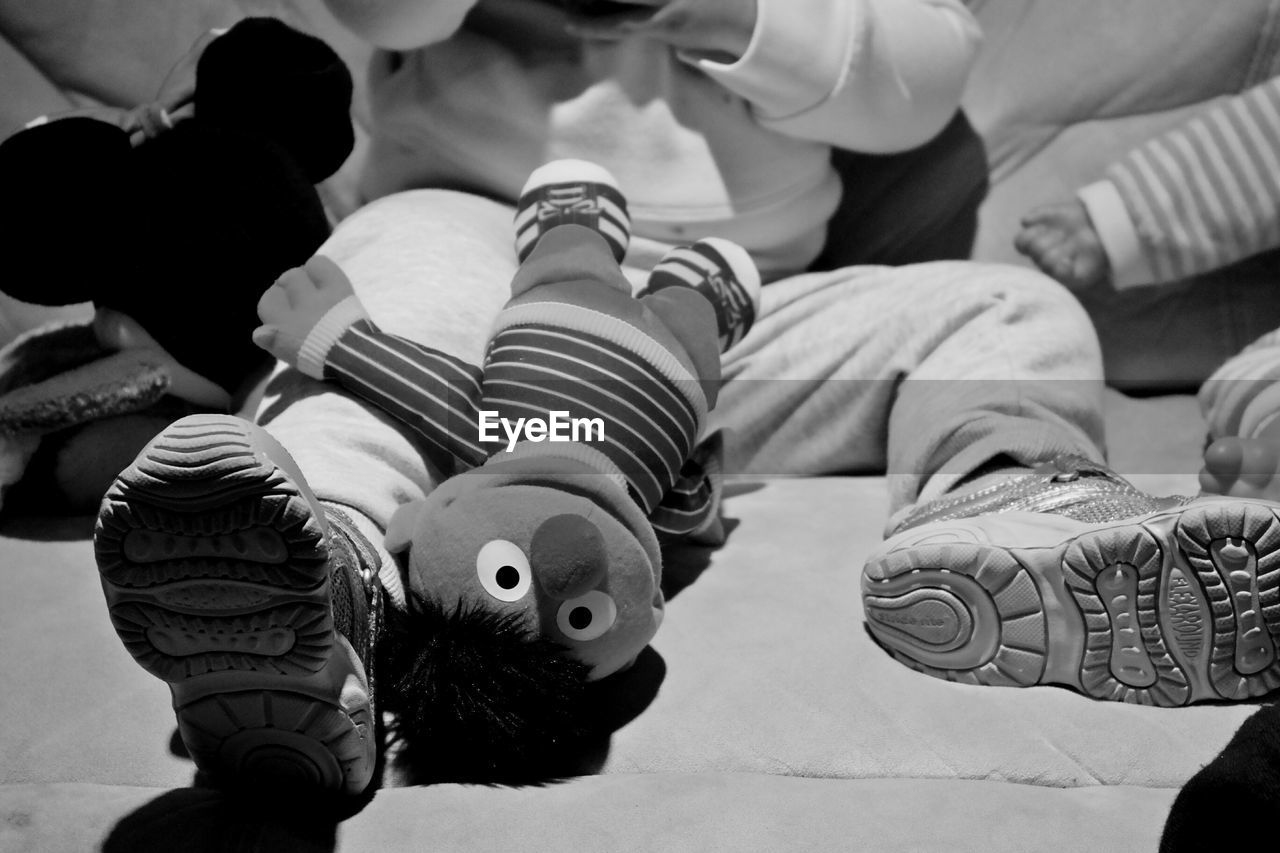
x,y
476,697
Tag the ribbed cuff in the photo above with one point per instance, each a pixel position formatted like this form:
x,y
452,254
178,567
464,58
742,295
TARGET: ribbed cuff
x,y
322,337
1119,237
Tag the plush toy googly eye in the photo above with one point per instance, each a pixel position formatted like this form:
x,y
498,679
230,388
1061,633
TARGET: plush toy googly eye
x,y
503,570
587,616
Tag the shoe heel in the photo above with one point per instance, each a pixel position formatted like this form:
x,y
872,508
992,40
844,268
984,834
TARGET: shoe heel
x,y
315,733
965,612
213,557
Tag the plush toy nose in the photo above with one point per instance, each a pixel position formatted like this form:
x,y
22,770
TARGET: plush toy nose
x,y
568,555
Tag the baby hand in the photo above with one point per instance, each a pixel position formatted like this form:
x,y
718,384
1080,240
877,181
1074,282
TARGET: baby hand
x,y
291,307
1061,240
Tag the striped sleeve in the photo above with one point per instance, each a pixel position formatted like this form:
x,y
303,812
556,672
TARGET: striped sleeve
x,y
1207,194
434,393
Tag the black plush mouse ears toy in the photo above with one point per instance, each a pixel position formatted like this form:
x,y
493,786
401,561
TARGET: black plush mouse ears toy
x,y
178,237
264,78
184,232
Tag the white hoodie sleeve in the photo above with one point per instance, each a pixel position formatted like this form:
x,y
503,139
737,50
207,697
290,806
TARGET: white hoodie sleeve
x,y
867,75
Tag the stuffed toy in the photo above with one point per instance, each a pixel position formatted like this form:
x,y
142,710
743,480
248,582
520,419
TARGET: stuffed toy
x,y
574,450
172,234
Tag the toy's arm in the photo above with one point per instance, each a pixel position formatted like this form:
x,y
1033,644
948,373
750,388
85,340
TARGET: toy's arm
x,y
429,390
313,320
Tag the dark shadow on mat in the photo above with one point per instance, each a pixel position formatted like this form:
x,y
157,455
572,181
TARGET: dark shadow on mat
x,y
684,562
212,818
208,820
47,528
613,703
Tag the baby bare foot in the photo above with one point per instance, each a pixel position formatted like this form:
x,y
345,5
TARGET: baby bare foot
x,y
1242,468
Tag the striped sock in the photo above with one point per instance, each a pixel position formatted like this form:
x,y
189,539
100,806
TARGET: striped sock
x,y
572,191
724,273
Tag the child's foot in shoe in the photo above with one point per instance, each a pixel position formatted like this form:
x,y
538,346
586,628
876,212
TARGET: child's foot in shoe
x,y
226,578
576,192
724,273
1069,575
1242,468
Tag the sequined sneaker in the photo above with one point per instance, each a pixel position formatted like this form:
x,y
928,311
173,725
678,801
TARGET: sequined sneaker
x,y
1070,575
723,272
574,192
226,578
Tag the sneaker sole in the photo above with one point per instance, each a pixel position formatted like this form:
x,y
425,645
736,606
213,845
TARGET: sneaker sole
x,y
214,562
1177,607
